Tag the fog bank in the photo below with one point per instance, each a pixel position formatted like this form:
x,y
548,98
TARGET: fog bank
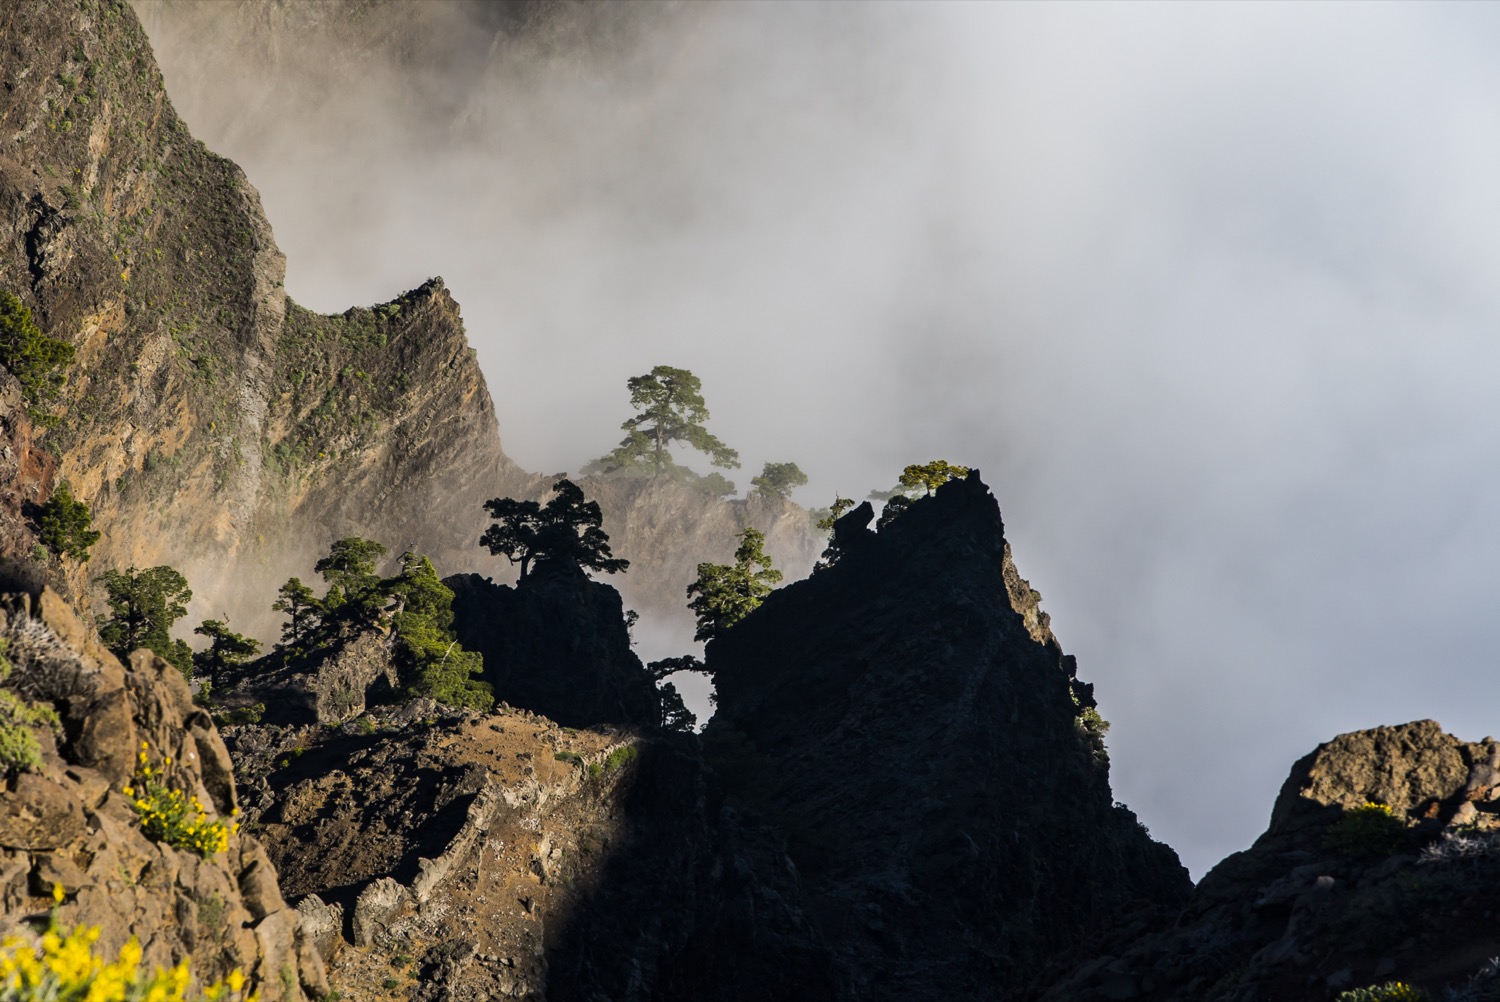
x,y
1203,290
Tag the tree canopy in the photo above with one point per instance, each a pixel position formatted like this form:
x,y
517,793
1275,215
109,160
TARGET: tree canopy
x,y
778,480
301,606
36,360
917,481
931,476
354,588
64,524
672,412
432,661
724,594
143,606
566,527
922,479
226,650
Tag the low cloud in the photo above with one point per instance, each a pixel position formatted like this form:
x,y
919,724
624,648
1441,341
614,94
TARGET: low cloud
x,y
1205,292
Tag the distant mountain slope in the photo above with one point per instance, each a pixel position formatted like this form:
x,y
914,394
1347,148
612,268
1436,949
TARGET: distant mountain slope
x,y
212,423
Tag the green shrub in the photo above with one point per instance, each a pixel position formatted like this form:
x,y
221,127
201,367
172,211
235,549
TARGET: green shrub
x,y
1091,729
1370,829
241,715
1391,991
567,756
19,748
64,525
36,360
621,756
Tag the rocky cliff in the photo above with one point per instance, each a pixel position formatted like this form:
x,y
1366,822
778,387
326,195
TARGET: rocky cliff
x,y
211,423
73,829
927,750
557,645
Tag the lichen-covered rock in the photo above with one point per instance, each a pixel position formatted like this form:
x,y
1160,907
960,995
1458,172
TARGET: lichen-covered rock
x,y
361,668
1411,768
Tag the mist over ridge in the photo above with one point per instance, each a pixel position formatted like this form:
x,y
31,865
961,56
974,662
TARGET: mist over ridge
x,y
1201,290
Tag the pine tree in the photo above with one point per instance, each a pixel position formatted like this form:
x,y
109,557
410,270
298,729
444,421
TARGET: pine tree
x,y
64,524
725,594
143,605
301,607
225,651
778,480
433,663
36,360
672,412
354,589
567,527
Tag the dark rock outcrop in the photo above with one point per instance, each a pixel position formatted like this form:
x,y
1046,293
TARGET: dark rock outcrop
x,y
1304,913
920,738
556,644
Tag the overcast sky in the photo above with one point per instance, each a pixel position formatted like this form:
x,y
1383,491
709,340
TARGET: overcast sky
x,y
1206,291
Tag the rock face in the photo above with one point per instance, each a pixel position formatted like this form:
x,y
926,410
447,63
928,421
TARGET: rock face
x,y
67,821
556,644
207,417
949,815
1309,910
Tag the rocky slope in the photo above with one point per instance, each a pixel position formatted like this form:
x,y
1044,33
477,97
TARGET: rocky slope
x,y
1326,900
69,821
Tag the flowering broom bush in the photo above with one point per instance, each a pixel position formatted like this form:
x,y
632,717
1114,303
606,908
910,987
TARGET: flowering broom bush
x,y
61,966
1392,991
171,816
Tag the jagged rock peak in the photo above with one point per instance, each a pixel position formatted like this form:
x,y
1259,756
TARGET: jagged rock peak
x,y
926,746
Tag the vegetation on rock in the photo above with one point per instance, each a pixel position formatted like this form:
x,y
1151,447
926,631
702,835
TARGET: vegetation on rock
x,y
36,360
567,527
778,480
672,412
61,965
823,518
143,605
173,816
1391,991
434,664
724,594
1370,829
19,748
65,524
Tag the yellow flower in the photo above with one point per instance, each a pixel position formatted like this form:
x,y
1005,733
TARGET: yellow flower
x,y
58,893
